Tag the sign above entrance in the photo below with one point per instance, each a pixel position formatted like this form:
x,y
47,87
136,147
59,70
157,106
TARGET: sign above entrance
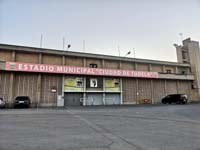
x,y
28,67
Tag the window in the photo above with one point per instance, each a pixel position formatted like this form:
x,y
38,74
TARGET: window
x,y
183,72
169,71
93,65
79,82
184,55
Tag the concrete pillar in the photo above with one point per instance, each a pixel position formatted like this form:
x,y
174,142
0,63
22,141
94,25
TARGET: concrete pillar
x,y
163,69
177,86
63,80
104,94
12,82
84,62
103,63
150,67
39,82
136,66
13,56
84,91
176,70
121,91
120,64
152,91
63,60
165,87
11,90
39,87
137,94
84,84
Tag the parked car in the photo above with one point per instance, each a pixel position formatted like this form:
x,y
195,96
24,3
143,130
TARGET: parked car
x,y
2,103
175,98
22,101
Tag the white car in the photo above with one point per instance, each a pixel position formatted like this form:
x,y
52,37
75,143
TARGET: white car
x,y
2,103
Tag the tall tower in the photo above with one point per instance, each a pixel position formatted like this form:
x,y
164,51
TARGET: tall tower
x,y
189,52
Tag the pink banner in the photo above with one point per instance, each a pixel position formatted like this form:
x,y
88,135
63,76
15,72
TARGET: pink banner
x,y
28,67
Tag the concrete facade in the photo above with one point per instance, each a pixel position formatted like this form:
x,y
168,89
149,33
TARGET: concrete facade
x,y
173,77
189,53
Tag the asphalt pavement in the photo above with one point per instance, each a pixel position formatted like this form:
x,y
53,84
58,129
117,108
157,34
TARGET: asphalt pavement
x,y
144,127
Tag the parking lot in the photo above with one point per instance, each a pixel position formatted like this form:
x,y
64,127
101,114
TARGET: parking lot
x,y
141,127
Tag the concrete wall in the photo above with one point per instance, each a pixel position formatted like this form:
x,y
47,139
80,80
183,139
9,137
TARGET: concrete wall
x,y
127,66
158,90
142,67
74,61
5,55
191,48
51,59
27,57
156,68
111,64
50,81
94,61
129,86
4,85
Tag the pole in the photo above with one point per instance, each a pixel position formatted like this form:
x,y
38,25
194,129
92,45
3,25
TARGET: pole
x,y
41,38
134,53
118,50
83,45
63,43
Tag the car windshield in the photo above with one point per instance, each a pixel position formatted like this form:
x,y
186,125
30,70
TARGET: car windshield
x,y
22,98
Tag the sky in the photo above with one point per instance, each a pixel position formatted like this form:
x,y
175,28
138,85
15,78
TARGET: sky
x,y
147,28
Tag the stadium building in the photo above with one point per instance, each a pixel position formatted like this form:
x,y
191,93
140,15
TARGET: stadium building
x,y
54,78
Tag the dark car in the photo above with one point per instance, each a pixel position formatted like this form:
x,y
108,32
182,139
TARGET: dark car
x,y
22,101
175,98
2,103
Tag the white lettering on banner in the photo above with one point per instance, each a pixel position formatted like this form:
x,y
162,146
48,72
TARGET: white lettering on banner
x,y
51,68
31,67
59,69
42,68
20,67
17,66
25,67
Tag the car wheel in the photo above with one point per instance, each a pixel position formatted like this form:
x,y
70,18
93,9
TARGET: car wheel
x,y
184,102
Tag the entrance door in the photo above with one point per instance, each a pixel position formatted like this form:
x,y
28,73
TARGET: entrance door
x,y
112,99
94,99
73,99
